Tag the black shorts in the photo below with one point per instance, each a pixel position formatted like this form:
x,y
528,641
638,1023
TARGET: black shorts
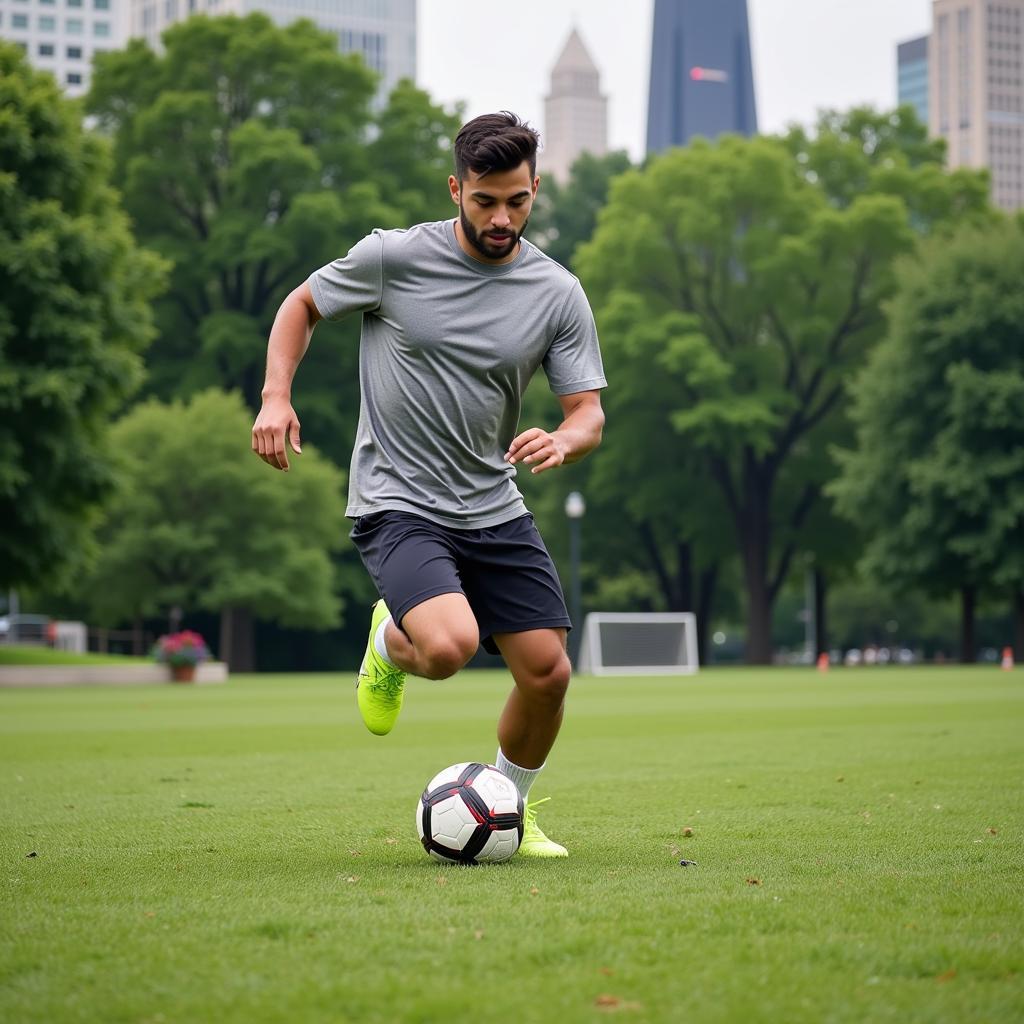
x,y
504,571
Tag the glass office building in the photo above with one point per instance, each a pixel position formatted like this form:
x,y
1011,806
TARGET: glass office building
x,y
912,76
701,75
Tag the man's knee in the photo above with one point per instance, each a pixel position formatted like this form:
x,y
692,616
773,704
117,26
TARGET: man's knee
x,y
443,654
444,635
547,679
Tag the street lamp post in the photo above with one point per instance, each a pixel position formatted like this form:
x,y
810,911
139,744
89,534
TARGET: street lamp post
x,y
575,507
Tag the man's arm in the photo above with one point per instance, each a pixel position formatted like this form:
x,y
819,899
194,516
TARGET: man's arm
x,y
289,339
577,434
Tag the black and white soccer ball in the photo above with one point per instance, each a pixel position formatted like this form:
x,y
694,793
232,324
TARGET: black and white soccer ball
x,y
470,814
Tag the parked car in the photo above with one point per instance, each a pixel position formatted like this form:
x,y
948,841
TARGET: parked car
x,y
26,629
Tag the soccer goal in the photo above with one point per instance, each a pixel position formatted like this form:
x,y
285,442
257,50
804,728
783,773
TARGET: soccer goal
x,y
633,644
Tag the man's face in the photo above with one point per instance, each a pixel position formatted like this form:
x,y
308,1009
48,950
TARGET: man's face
x,y
494,210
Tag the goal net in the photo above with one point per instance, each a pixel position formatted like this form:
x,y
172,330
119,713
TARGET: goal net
x,y
633,644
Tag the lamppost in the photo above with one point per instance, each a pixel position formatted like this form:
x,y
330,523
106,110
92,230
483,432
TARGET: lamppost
x,y
575,507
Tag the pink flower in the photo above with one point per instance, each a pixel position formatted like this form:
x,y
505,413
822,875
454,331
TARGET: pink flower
x,y
184,648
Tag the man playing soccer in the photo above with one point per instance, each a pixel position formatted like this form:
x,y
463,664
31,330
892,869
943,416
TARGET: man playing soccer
x,y
456,318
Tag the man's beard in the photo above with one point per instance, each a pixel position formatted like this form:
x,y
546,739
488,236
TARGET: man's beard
x,y
481,243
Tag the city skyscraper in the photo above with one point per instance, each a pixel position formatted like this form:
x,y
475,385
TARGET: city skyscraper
x,y
575,112
384,33
701,76
62,38
976,90
912,75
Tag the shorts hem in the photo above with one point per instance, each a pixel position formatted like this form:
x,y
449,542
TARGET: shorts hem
x,y
550,622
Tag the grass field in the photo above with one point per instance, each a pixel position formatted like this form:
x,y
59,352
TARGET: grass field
x,y
248,853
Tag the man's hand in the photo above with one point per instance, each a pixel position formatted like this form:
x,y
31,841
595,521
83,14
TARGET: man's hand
x,y
275,424
577,434
537,448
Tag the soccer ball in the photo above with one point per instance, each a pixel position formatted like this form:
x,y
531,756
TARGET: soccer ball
x,y
470,814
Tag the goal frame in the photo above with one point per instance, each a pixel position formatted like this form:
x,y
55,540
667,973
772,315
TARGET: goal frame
x,y
590,644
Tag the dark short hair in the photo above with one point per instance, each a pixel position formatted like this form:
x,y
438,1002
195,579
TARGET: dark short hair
x,y
495,142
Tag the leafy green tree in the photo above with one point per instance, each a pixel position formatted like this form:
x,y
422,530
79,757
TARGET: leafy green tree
x,y
565,215
937,477
244,155
667,508
199,523
651,536
779,267
74,318
410,157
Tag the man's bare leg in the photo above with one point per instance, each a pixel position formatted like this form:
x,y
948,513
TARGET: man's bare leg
x,y
532,716
531,719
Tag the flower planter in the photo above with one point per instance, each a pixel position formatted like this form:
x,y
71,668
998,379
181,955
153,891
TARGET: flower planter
x,y
181,652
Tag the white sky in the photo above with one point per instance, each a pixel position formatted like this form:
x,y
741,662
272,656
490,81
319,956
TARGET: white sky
x,y
808,54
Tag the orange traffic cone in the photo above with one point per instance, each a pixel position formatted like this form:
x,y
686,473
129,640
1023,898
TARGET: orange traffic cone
x,y
1007,658
823,661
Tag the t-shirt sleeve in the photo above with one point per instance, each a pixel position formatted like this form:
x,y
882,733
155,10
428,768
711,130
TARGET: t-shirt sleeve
x,y
573,360
352,284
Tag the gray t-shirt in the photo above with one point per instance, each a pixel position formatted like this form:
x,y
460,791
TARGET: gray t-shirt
x,y
448,346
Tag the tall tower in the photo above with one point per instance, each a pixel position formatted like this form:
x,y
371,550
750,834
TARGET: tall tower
x,y
575,112
912,75
702,81
976,90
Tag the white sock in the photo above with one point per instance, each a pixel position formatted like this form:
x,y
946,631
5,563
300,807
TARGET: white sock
x,y
378,642
524,778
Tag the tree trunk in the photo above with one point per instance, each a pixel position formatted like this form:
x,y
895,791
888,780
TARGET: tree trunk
x,y
820,612
1018,626
237,639
684,578
666,582
759,620
224,644
967,656
755,546
238,646
705,602
752,517
244,641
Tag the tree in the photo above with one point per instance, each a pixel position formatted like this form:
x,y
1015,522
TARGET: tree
x,y
410,157
244,152
666,506
565,215
937,475
785,266
199,523
74,318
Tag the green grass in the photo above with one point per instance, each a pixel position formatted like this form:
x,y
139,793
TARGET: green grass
x,y
247,853
15,655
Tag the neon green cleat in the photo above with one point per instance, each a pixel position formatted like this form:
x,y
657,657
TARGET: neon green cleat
x,y
379,686
535,843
